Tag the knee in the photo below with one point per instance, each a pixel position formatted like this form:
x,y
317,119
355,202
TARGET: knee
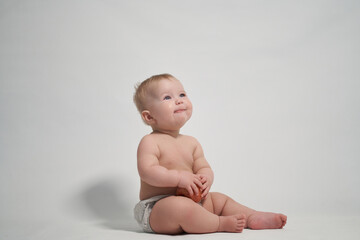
x,y
219,200
218,196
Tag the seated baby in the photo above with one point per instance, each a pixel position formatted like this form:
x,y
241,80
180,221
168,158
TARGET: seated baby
x,y
175,177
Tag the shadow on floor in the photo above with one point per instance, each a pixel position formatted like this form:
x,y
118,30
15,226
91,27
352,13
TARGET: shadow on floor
x,y
106,201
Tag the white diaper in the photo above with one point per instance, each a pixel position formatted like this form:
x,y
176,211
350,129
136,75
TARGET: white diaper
x,y
143,209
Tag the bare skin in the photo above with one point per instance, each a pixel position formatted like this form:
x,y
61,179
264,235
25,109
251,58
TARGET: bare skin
x,y
168,159
219,213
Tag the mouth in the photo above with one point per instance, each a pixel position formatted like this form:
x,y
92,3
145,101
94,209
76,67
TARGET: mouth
x,y
180,110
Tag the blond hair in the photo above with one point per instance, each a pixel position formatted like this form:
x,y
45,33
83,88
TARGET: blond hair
x,y
142,89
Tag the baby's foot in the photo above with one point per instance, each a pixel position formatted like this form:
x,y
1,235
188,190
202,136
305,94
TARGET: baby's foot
x,y
266,220
234,223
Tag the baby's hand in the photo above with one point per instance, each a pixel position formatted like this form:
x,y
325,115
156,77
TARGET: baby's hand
x,y
183,192
205,185
190,182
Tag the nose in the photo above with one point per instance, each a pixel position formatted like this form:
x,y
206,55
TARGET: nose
x,y
178,101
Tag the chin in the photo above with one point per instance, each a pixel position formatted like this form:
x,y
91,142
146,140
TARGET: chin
x,y
182,122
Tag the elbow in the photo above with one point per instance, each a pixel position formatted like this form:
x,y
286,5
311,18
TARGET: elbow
x,y
144,176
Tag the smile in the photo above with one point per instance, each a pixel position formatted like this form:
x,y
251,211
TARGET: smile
x,y
180,110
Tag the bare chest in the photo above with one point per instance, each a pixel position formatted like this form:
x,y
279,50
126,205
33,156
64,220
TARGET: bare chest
x,y
176,155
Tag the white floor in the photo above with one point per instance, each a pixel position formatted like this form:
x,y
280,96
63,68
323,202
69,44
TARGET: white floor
x,y
298,228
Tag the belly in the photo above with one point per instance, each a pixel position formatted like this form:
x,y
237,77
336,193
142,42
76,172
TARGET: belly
x,y
148,191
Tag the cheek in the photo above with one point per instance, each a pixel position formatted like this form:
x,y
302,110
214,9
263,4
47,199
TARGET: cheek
x,y
190,109
166,110
189,105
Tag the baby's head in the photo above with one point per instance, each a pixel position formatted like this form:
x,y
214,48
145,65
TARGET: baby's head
x,y
162,102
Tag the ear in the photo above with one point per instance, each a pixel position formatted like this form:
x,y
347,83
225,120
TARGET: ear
x,y
146,116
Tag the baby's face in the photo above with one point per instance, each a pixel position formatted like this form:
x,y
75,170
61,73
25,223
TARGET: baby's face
x,y
169,105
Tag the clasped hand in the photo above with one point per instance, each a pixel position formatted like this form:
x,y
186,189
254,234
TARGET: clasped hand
x,y
194,182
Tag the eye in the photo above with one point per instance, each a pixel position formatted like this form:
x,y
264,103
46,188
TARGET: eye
x,y
182,95
167,98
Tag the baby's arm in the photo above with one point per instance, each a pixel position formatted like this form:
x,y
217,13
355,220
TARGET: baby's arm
x,y
153,173
203,169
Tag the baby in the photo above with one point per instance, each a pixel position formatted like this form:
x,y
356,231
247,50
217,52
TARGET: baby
x,y
168,161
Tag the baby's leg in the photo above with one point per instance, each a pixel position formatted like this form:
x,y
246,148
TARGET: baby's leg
x,y
175,214
224,206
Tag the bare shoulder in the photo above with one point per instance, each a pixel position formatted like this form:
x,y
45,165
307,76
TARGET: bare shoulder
x,y
147,138
148,144
190,139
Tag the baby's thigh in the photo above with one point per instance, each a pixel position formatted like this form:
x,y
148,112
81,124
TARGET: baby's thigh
x,y
169,212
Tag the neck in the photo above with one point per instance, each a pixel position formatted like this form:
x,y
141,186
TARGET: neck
x,y
173,133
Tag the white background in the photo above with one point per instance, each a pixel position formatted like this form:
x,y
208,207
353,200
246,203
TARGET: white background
x,y
274,84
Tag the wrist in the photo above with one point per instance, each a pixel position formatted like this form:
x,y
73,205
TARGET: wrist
x,y
179,177
209,178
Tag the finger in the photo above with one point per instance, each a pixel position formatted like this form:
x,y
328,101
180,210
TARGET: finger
x,y
205,192
199,177
203,180
198,183
204,197
195,189
190,191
